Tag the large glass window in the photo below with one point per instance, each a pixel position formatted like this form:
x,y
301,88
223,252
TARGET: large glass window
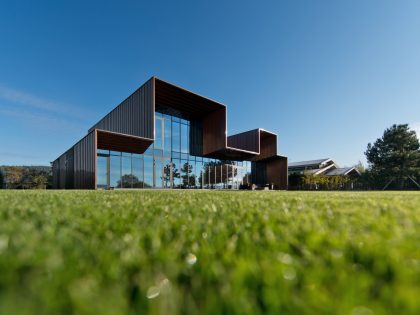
x,y
167,173
102,171
168,164
137,164
158,173
176,176
127,177
158,133
167,137
176,136
184,139
198,174
148,171
115,171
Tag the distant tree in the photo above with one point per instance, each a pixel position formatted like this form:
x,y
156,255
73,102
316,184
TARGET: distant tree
x,y
14,177
1,179
39,182
395,157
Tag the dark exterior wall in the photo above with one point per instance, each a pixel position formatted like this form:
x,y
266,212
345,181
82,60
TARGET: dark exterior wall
x,y
69,169
75,169
277,172
214,131
85,162
248,140
55,174
196,137
259,173
268,146
134,116
270,171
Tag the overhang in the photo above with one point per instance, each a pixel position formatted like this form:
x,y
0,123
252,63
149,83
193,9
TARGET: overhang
x,y
172,99
107,140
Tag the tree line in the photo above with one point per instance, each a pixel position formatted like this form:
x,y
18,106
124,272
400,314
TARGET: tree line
x,y
25,177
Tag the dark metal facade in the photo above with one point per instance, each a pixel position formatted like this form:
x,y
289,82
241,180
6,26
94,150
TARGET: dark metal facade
x,y
130,127
135,116
75,169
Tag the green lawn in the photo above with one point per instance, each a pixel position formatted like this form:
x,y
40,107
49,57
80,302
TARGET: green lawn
x,y
209,252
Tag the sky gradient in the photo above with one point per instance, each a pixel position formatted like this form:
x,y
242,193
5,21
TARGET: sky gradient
x,y
326,76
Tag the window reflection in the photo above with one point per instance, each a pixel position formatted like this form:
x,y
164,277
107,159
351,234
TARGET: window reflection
x,y
167,163
176,137
176,176
126,178
137,164
148,171
167,137
115,171
167,173
158,133
102,171
184,139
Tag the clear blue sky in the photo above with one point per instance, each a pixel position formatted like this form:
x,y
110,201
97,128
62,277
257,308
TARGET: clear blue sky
x,y
327,76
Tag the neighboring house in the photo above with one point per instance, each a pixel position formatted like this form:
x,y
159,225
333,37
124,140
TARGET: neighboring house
x,y
325,167
321,174
164,136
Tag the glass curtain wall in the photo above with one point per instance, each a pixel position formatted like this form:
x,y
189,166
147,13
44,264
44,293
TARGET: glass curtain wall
x,y
167,163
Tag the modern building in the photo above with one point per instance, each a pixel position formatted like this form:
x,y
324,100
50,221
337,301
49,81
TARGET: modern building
x,y
325,167
164,136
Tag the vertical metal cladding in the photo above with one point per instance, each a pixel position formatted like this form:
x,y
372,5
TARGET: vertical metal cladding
x,y
134,116
248,140
69,169
55,174
214,131
277,172
85,162
75,169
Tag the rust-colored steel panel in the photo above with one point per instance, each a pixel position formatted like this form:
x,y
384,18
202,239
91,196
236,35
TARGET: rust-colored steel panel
x,y
248,140
277,172
214,131
268,145
119,142
175,100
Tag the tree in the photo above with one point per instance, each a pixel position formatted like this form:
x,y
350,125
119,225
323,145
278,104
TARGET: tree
x,y
395,157
39,182
1,178
360,167
188,179
14,176
175,175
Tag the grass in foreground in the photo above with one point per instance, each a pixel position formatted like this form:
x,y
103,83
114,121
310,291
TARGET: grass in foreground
x,y
209,252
